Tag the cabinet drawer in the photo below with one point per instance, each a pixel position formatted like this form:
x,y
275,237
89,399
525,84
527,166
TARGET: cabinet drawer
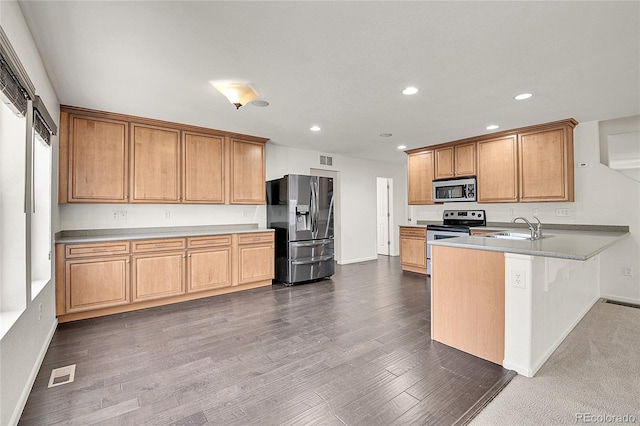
x,y
263,237
159,245
209,241
73,251
413,232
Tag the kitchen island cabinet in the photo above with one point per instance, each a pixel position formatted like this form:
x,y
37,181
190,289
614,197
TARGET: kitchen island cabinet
x,y
95,278
524,296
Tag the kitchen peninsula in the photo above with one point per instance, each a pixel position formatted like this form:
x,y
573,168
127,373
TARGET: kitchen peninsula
x,y
513,301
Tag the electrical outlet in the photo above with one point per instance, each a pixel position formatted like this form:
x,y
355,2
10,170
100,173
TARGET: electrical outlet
x,y
518,278
536,212
562,212
628,271
119,215
167,214
245,213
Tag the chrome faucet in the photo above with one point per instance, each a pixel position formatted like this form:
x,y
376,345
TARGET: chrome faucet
x,y
536,231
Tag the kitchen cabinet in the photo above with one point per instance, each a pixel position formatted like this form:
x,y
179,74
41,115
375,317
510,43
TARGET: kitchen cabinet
x,y
420,170
467,303
155,164
546,165
255,257
208,263
497,178
158,268
455,160
115,158
247,172
97,163
102,278
95,276
413,249
203,168
528,164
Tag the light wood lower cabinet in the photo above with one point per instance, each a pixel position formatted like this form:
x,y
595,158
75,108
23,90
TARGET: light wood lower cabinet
x,y
158,275
255,258
96,279
413,249
96,282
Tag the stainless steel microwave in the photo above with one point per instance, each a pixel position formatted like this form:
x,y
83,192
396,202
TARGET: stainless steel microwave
x,y
454,189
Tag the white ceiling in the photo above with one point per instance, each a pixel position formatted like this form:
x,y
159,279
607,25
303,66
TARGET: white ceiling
x,y
343,65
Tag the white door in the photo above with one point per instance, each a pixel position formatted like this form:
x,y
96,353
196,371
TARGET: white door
x,y
384,215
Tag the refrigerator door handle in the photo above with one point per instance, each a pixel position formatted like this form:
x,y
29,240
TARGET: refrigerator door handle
x,y
314,207
311,243
314,260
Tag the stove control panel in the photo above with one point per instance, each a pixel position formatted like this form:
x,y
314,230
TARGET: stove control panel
x,y
463,214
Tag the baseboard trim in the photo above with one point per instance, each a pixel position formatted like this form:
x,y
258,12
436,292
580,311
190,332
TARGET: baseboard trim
x,y
364,259
22,402
621,299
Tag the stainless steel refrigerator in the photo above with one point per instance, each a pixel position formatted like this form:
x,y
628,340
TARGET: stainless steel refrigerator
x,y
300,209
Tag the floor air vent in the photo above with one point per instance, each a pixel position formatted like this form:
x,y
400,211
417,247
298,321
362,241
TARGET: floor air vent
x,y
62,376
628,305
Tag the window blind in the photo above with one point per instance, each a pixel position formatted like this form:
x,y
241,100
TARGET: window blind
x,y
43,124
14,94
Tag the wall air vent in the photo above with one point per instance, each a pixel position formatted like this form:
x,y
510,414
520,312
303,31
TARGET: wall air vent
x,y
326,160
628,305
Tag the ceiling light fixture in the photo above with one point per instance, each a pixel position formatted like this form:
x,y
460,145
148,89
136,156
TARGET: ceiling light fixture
x,y
239,94
492,127
402,147
523,96
260,103
410,91
314,128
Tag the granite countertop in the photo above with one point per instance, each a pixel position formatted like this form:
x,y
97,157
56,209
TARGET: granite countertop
x,y
576,244
98,235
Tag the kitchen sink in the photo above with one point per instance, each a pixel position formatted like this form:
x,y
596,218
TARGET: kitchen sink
x,y
511,235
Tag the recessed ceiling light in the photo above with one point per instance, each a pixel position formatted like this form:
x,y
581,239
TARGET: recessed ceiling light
x,y
386,135
314,128
523,96
410,91
492,127
402,147
260,103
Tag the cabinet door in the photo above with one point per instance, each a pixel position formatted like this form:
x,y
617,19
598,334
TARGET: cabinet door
x,y
465,159
247,172
255,261
203,168
444,167
94,283
209,269
497,170
546,166
413,251
420,176
155,164
158,275
98,160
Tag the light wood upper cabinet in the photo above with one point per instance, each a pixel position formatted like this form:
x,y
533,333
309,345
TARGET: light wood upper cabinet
x,y
498,170
115,158
155,164
465,159
420,169
247,172
546,165
444,166
203,168
97,167
455,160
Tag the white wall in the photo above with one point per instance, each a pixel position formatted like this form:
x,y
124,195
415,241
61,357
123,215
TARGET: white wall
x,y
23,347
603,197
358,195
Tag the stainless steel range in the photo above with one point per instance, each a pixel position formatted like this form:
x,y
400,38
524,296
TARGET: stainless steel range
x,y
455,223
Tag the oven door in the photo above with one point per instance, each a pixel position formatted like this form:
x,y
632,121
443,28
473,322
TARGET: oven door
x,y
433,235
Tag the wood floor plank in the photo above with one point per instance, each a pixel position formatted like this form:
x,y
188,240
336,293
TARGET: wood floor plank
x,y
354,350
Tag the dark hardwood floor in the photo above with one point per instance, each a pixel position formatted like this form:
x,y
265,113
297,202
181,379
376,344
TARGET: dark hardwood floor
x,y
353,350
